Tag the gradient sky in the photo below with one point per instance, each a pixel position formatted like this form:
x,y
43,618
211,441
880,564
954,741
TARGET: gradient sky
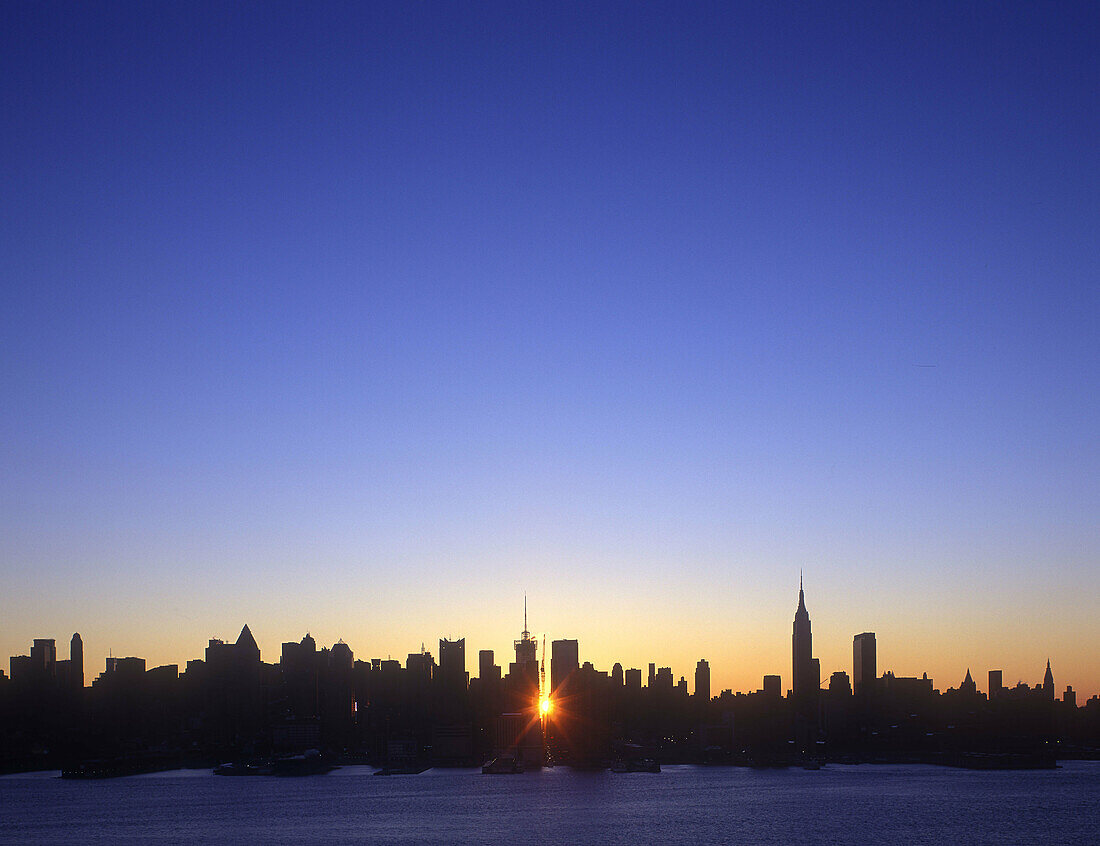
x,y
365,319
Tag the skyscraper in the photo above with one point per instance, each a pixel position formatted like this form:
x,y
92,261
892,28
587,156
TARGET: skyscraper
x,y
526,646
76,661
702,681
564,661
996,683
802,664
864,662
452,665
1048,683
522,682
44,656
486,666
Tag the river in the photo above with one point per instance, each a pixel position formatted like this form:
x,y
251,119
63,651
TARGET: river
x,y
681,805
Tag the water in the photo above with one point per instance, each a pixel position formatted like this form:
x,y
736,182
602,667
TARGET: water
x,y
836,805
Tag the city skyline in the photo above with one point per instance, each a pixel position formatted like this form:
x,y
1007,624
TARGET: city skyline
x,y
367,319
570,656
331,708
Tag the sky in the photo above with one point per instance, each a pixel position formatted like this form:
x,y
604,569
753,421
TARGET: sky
x,y
368,319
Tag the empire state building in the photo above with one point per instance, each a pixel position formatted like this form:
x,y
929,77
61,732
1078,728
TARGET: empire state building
x,y
805,670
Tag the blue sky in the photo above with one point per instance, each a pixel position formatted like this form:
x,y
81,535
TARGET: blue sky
x,y
367,318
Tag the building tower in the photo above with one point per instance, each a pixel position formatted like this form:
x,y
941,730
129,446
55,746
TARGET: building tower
x,y
996,684
803,683
486,666
76,662
564,662
864,663
452,665
702,681
44,657
1048,683
526,646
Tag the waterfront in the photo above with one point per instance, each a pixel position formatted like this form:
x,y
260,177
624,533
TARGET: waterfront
x,y
682,804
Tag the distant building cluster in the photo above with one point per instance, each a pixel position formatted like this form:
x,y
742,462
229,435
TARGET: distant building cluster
x,y
231,705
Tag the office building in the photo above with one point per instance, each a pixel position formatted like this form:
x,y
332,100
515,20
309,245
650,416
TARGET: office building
x,y
452,665
864,663
702,681
564,662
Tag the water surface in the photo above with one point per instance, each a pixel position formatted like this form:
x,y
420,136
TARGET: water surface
x,y
681,805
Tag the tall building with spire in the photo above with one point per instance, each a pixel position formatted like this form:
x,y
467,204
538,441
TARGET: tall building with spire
x,y
802,669
523,675
526,646
1048,682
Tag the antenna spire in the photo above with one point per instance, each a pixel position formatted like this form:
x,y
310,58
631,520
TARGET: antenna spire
x,y
526,633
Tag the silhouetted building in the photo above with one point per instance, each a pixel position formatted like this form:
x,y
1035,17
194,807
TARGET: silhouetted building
x,y
864,663
521,685
906,688
803,681
996,683
839,684
234,702
632,679
43,657
298,665
452,666
702,681
419,671
487,668
564,662
124,668
19,668
76,662
526,646
773,686
1048,683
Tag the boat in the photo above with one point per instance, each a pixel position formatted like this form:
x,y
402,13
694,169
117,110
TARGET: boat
x,y
310,763
502,765
635,765
237,769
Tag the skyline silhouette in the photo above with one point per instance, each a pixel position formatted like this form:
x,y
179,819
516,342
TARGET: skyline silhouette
x,y
803,670
748,662
261,718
